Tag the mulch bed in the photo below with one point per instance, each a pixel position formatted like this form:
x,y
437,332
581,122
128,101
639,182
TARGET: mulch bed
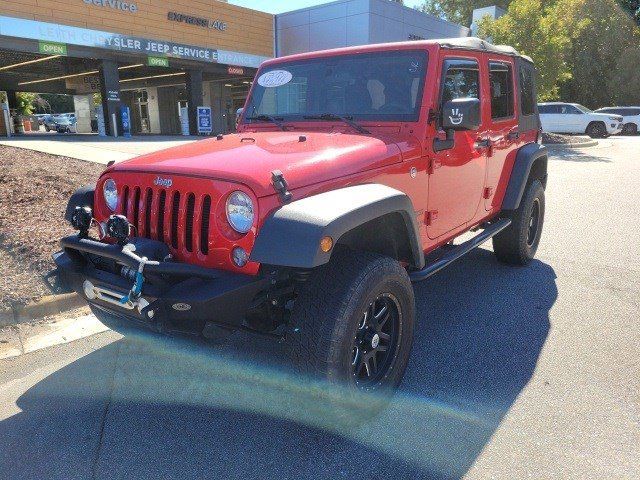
x,y
557,139
34,190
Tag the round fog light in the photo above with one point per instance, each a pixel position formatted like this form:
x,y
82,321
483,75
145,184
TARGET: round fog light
x,y
240,257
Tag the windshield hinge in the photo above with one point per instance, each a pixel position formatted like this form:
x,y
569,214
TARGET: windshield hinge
x,y
433,116
281,186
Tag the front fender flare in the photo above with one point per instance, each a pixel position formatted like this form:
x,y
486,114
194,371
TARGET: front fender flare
x,y
291,235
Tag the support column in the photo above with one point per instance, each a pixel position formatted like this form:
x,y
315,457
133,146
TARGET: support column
x,y
110,89
194,97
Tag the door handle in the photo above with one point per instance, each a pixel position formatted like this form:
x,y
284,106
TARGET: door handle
x,y
486,143
513,135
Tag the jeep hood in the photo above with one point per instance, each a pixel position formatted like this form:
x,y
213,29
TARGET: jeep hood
x,y
305,158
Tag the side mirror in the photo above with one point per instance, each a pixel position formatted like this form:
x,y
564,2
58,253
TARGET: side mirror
x,y
461,114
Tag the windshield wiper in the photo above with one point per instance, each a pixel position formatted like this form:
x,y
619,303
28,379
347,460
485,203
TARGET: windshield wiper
x,y
345,118
268,118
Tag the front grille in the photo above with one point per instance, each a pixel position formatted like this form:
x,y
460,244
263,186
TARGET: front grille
x,y
181,220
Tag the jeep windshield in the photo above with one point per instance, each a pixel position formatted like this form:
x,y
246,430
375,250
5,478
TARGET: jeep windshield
x,y
380,86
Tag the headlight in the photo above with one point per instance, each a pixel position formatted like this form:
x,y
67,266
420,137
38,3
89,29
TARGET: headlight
x,y
110,191
240,212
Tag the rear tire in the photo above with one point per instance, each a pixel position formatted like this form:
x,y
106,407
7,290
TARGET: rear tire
x,y
597,130
517,244
353,322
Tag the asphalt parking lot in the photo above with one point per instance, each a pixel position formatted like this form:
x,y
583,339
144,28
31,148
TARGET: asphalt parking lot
x,y
515,373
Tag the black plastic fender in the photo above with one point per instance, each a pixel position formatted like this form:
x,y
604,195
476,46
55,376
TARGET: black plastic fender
x,y
291,235
525,159
82,197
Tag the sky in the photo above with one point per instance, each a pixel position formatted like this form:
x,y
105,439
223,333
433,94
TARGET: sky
x,y
279,6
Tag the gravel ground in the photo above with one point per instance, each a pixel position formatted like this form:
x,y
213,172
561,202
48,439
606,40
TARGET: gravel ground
x,y
35,188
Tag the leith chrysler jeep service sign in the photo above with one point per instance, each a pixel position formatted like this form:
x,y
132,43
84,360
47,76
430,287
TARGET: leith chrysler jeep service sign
x,y
115,4
63,34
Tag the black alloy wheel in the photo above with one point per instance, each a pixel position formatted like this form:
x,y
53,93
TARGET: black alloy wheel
x,y
534,223
597,130
375,345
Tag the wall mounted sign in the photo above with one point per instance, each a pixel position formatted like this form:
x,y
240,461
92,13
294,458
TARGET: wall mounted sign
x,y
84,84
197,21
52,48
235,70
113,96
205,125
119,5
158,62
63,34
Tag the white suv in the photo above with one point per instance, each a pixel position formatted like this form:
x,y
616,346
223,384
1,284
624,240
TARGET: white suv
x,y
630,115
557,117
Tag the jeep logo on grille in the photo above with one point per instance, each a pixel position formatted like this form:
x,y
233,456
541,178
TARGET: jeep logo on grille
x,y
163,182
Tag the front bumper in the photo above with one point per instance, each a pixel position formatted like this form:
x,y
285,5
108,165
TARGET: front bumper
x,y
614,128
175,296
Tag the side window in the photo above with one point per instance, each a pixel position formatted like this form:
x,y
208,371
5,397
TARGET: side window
x,y
527,96
542,109
461,80
570,110
501,80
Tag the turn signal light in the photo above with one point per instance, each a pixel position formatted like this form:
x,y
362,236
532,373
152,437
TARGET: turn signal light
x,y
326,244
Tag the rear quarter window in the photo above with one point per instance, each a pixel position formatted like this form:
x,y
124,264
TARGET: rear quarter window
x,y
527,91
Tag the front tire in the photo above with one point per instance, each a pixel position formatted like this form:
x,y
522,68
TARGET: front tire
x,y
517,244
630,129
353,322
597,130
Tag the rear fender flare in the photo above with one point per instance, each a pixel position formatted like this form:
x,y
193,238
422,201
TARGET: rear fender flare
x,y
528,156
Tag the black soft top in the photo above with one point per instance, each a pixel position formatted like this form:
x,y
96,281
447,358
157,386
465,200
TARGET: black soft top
x,y
474,43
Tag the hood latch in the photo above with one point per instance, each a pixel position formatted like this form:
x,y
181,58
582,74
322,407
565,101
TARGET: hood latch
x,y
281,186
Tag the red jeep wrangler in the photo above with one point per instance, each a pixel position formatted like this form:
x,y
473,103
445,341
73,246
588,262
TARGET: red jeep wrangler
x,y
351,175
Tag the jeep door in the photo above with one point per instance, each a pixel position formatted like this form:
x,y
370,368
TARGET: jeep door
x,y
457,174
503,128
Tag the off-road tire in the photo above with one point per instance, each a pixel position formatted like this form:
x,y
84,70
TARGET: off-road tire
x,y
327,314
630,129
516,245
596,130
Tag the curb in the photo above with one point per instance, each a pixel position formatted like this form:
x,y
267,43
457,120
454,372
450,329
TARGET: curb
x,y
46,306
570,146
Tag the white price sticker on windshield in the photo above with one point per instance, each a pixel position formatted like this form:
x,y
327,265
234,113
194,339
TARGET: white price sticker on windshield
x,y
274,78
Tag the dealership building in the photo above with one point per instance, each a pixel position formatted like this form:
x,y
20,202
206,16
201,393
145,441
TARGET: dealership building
x,y
165,58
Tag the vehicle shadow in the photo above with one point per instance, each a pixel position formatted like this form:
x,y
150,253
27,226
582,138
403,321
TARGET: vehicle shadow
x,y
156,407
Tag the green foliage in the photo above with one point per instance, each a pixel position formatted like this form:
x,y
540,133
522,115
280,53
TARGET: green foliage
x,y
459,11
632,7
583,49
540,31
604,52
25,102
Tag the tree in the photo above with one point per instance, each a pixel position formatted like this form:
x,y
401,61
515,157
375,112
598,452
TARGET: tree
x,y
632,7
600,53
25,102
459,11
540,30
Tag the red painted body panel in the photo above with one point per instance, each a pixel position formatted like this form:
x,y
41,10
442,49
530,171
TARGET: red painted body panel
x,y
331,156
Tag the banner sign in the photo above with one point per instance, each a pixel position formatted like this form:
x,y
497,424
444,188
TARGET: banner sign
x,y
204,120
